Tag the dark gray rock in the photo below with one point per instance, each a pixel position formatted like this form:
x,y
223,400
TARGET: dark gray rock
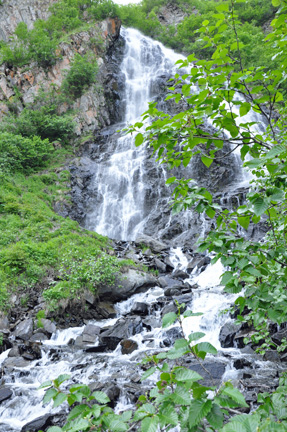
x,y
24,329
140,308
39,336
128,346
154,245
5,393
4,323
180,274
161,266
39,423
227,334
113,392
169,282
129,283
90,333
151,323
212,372
123,329
171,335
170,292
106,310
48,326
278,336
15,362
30,350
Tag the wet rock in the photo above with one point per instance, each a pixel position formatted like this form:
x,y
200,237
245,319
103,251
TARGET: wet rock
x,y
106,310
171,335
89,297
169,263
151,323
154,245
97,349
184,298
170,292
128,346
129,283
271,355
242,363
5,393
48,326
30,351
39,423
90,333
4,323
39,336
113,393
14,352
171,307
123,329
140,308
180,274
227,334
168,282
278,336
212,372
160,265
24,329
15,362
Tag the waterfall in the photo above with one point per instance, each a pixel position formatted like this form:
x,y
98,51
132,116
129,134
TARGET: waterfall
x,y
119,181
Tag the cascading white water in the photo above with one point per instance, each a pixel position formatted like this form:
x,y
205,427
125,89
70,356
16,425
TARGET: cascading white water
x,y
118,181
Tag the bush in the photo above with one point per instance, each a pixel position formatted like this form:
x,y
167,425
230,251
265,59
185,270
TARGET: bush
x,y
82,75
45,123
23,154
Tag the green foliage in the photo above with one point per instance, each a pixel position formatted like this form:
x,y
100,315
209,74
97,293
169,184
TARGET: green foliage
x,y
81,75
79,272
18,153
40,315
177,399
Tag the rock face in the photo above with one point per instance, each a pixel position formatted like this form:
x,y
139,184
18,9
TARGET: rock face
x,y
94,107
123,329
11,14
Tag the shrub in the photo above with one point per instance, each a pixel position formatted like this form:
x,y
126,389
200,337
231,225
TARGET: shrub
x,y
82,74
23,154
45,123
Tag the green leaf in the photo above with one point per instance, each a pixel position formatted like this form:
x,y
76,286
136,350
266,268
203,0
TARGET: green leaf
x,y
117,425
45,384
181,396
215,417
276,3
210,212
235,395
79,425
170,180
198,410
169,416
184,374
168,319
205,347
50,394
225,278
260,206
148,373
62,378
244,221
189,313
195,336
59,399
244,108
55,429
101,397
223,7
206,161
77,411
139,139
150,424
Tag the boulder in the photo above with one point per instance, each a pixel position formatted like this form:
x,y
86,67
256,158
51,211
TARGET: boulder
x,y
24,329
39,336
154,245
128,346
161,266
39,423
170,292
278,336
90,333
180,274
168,282
227,334
151,323
211,372
140,308
129,283
30,351
171,335
4,323
123,329
48,326
106,310
5,393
